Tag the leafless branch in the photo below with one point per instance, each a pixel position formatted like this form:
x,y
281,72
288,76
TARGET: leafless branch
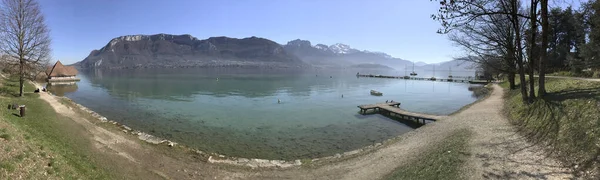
x,y
24,36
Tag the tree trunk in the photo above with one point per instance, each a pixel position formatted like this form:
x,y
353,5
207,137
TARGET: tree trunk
x,y
531,81
511,80
543,51
522,77
512,67
532,49
21,80
519,53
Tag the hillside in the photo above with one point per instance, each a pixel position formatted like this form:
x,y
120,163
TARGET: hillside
x,y
164,50
371,66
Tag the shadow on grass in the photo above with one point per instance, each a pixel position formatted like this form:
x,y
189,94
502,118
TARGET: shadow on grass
x,y
5,91
564,121
563,95
10,87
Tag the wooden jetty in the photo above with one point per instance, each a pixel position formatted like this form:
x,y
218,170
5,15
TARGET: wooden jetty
x,y
453,79
478,82
393,109
365,108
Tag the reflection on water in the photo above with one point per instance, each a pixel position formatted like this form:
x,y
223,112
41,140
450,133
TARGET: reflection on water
x,y
60,89
235,112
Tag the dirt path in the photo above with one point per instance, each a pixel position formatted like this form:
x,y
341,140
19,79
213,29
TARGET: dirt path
x,y
497,152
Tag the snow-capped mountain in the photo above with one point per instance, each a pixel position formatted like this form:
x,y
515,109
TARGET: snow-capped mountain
x,y
322,47
338,55
344,56
339,48
305,48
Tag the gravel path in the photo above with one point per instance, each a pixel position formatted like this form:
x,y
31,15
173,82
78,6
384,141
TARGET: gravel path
x,y
498,152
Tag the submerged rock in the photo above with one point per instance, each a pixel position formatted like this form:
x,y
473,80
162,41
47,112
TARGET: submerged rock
x,y
126,127
171,144
103,119
150,138
254,163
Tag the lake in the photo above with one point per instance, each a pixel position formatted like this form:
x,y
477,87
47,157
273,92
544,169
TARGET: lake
x,y
236,112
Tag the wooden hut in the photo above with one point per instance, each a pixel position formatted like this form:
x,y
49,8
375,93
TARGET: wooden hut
x,y
61,73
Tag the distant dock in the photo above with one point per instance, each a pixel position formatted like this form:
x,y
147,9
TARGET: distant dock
x,y
461,79
393,109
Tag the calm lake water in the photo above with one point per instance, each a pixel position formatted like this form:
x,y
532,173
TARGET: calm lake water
x,y
238,114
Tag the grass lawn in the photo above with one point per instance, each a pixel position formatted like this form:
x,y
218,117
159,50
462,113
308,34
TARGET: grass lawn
x,y
567,121
585,74
442,161
50,132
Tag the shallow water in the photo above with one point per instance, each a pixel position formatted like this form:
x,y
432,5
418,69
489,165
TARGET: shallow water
x,y
239,114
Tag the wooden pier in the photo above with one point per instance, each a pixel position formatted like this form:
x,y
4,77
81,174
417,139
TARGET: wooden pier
x,y
454,79
393,109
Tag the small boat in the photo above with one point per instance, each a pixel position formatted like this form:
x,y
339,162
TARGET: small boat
x,y
406,77
376,93
413,73
432,79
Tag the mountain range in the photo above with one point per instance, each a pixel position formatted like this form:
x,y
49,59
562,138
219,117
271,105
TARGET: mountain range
x,y
343,56
176,51
166,51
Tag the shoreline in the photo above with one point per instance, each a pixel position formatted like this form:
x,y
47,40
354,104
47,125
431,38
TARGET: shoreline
x,y
219,158
216,158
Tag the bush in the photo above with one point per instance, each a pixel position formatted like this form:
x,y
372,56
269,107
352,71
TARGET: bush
x,y
479,91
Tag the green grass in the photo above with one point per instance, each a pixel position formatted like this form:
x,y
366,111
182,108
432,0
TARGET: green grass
x,y
51,131
6,136
20,157
567,121
587,74
9,166
442,161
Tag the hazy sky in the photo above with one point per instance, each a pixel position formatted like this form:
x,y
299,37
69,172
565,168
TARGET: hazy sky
x,y
401,28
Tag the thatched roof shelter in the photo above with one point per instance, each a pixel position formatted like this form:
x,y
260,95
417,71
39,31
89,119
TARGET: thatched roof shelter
x,y
60,70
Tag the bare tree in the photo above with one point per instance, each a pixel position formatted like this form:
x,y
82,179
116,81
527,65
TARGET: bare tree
x,y
544,49
457,14
489,43
24,36
532,48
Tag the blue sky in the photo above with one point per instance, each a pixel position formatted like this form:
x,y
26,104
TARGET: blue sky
x,y
401,28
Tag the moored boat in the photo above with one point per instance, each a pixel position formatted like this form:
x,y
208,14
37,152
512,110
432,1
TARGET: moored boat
x,y
376,93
